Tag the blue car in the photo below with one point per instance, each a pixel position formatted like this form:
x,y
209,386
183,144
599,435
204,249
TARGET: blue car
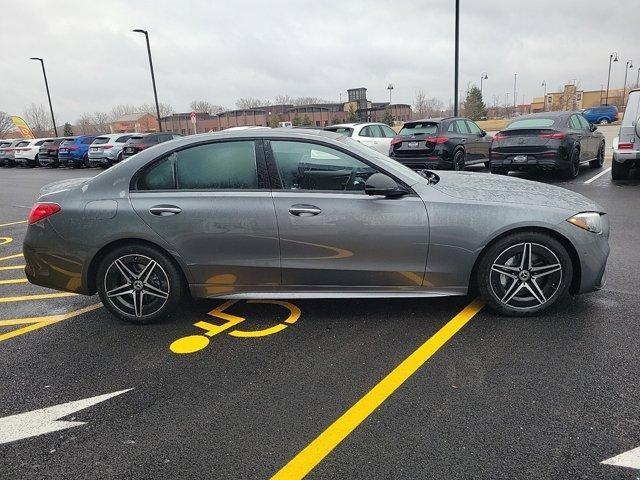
x,y
74,151
603,115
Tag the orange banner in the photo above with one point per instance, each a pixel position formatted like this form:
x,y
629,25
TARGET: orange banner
x,y
21,125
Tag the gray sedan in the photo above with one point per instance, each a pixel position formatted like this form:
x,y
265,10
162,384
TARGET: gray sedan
x,y
308,214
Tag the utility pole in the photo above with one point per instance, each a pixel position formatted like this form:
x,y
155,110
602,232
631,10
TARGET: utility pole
x,y
46,84
613,57
153,77
456,61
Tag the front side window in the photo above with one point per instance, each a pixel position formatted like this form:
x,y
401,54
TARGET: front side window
x,y
217,166
309,166
473,128
575,123
583,122
462,127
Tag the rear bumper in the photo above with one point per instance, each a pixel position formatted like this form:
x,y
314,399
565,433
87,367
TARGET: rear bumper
x,y
431,162
26,161
631,157
550,160
48,159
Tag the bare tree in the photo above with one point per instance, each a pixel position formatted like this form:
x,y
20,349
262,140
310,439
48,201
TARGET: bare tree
x,y
101,120
283,100
202,106
434,106
165,109
420,104
121,110
308,101
6,125
250,102
38,120
90,123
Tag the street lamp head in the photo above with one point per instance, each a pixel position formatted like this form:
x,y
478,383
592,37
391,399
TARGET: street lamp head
x,y
630,63
544,83
139,30
36,58
615,56
485,76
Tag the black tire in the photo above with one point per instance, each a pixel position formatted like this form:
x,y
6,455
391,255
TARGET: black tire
x,y
500,170
573,169
38,164
487,165
494,283
620,171
599,161
164,277
119,159
604,121
459,160
85,161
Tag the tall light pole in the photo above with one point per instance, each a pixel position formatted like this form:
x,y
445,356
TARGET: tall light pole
x,y
544,84
638,78
483,77
613,57
46,84
390,88
506,103
456,61
627,66
515,97
153,77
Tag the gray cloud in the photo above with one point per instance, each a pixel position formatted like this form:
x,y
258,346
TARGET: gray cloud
x,y
220,51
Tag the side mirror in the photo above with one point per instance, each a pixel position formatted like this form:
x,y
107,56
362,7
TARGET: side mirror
x,y
381,184
483,133
592,127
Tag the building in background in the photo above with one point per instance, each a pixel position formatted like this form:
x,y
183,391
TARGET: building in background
x,y
572,98
314,115
135,122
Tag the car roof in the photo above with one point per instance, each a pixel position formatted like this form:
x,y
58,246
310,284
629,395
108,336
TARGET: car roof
x,y
559,114
436,120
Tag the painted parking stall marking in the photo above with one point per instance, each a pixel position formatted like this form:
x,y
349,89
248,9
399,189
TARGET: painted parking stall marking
x,y
194,343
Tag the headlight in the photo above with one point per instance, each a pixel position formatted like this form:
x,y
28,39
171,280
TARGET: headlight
x,y
590,221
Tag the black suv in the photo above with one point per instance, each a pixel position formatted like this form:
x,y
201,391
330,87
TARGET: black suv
x,y
441,143
140,141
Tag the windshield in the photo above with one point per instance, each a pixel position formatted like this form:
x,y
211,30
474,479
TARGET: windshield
x,y
632,111
418,128
532,123
387,162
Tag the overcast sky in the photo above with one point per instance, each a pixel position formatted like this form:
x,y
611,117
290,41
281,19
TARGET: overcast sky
x,y
223,50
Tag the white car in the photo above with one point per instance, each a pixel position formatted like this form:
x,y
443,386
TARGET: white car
x,y
26,152
375,135
106,150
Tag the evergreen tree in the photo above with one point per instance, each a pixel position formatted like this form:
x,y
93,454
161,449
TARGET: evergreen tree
x,y
474,106
273,121
68,131
388,118
306,121
353,116
295,121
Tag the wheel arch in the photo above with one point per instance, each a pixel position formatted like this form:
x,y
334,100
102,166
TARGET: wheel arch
x,y
90,275
564,241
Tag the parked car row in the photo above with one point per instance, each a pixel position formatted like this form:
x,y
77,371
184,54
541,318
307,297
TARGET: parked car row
x,y
77,151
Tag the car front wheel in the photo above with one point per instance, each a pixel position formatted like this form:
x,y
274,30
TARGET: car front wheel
x,y
459,160
524,273
139,284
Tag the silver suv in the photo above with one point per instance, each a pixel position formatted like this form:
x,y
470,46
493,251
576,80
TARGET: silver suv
x,y
627,153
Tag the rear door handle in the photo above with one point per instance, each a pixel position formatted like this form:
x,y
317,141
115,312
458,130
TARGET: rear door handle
x,y
304,210
164,210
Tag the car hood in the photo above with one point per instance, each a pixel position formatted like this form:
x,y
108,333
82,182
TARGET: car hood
x,y
62,185
504,189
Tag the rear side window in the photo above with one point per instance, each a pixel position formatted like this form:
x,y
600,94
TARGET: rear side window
x,y
632,111
87,141
388,131
532,123
367,132
217,166
418,128
158,177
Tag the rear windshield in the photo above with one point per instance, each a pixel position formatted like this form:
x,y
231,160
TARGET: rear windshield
x,y
632,110
68,141
135,139
418,128
22,144
5,144
123,139
532,123
341,130
100,140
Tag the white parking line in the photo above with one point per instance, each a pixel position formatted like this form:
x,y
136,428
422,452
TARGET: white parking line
x,y
595,177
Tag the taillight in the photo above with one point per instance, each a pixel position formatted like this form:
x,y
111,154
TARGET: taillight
x,y
106,146
73,147
396,140
554,135
625,146
436,139
140,146
499,136
41,211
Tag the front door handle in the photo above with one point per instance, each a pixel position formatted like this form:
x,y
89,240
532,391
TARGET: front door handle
x,y
304,210
164,210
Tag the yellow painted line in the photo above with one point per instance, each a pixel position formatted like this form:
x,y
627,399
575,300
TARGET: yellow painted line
x,y
13,267
17,255
318,449
13,280
42,296
34,323
12,223
5,240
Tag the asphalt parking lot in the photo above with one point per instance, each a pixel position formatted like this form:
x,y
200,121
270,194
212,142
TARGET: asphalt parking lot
x,y
256,389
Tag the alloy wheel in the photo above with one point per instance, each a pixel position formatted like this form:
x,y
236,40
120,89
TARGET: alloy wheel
x,y
136,285
458,161
525,276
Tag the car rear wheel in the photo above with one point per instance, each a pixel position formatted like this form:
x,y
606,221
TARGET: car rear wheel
x,y
524,273
487,165
573,169
459,160
603,121
599,161
139,284
619,171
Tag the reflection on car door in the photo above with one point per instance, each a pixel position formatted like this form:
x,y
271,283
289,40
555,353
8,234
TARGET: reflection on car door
x,y
592,140
215,210
581,136
481,142
331,232
470,144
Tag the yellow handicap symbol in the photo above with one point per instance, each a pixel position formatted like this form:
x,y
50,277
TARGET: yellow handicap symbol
x,y
194,343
